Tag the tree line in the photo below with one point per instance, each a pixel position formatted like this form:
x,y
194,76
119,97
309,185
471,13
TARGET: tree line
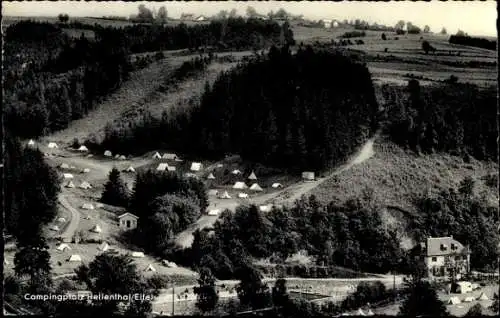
x,y
473,41
305,111
54,79
351,236
456,118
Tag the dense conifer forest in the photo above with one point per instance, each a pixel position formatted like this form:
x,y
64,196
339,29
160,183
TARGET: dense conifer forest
x,y
456,118
473,41
309,110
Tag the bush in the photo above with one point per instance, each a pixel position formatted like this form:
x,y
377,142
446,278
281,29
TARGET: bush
x,y
353,34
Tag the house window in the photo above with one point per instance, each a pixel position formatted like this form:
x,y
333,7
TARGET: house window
x,y
453,247
128,223
443,247
434,259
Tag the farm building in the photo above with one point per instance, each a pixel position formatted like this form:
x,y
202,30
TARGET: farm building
x,y
128,221
240,185
85,185
276,185
108,153
88,206
70,184
162,167
242,195
83,148
67,176
256,187
225,195
308,176
75,258
52,145
170,156
156,156
196,166
211,176
252,176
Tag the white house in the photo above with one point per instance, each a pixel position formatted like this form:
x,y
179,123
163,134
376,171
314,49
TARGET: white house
x,y
128,221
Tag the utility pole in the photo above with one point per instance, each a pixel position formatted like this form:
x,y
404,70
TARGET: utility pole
x,y
173,300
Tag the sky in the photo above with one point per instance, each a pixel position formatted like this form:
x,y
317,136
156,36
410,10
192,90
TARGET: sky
x,y
475,18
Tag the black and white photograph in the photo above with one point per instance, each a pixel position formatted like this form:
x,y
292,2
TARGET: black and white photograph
x,y
250,158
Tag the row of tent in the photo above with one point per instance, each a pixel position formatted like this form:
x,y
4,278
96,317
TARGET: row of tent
x,y
455,300
241,185
83,185
168,156
360,312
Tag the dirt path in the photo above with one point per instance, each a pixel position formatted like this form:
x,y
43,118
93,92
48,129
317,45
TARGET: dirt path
x,y
70,230
284,197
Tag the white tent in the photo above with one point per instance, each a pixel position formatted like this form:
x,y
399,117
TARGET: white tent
x,y
483,297
240,185
171,168
225,195
53,145
96,229
252,176
70,184
195,166
211,176
469,299
162,167
360,312
31,142
122,157
214,212
63,247
265,208
130,169
54,228
138,254
156,156
256,187
64,166
277,185
170,156
104,247
83,148
85,185
86,170
61,220
87,206
242,195
108,153
150,268
236,171
75,258
454,300
117,156
213,192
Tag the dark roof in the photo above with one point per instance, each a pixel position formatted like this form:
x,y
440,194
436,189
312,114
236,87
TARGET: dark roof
x,y
439,246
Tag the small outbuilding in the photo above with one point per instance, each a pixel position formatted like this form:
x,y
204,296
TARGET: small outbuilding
x,y
128,221
196,166
308,176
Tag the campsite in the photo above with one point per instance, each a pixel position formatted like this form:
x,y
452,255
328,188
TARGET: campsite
x,y
209,150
